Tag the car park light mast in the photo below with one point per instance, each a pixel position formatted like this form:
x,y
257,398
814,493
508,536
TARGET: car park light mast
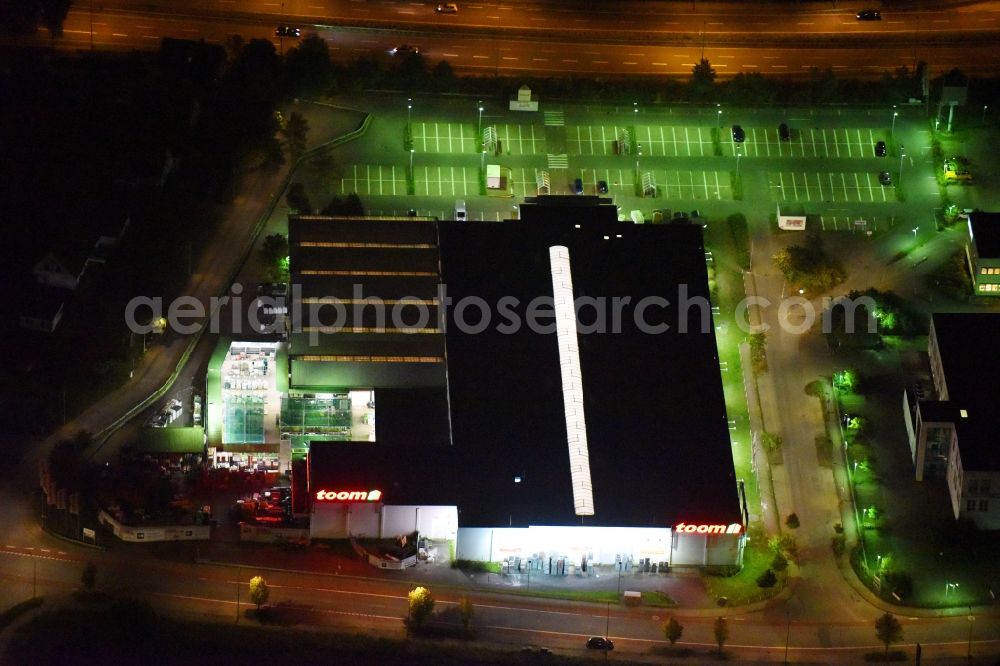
x,y
572,381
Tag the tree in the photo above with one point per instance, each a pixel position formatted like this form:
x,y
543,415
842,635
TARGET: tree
x,y
702,80
888,630
672,630
758,352
298,200
780,562
295,131
308,67
767,579
273,255
259,592
721,632
421,605
89,577
466,610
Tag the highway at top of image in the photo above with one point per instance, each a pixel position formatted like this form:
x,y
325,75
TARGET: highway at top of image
x,y
509,39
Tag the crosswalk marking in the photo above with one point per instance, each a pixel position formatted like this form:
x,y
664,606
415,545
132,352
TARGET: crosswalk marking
x,y
558,161
554,118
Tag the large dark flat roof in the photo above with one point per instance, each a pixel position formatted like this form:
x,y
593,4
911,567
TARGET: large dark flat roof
x,y
658,435
659,444
986,233
966,342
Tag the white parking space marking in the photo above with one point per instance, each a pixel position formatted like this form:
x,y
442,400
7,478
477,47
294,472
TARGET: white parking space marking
x,y
520,139
692,185
368,179
808,142
671,141
443,138
851,187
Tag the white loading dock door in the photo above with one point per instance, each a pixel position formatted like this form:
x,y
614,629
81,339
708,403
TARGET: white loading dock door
x,y
493,176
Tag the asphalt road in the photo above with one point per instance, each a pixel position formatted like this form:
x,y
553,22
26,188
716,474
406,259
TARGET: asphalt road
x,y
550,40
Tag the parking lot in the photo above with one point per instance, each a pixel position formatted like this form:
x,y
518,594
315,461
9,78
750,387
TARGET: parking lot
x,y
654,140
444,138
368,179
854,224
693,185
804,142
521,139
828,187
443,180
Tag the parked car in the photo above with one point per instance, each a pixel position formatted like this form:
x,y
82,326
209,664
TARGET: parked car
x,y
460,210
885,178
404,49
600,643
578,186
869,15
739,136
784,133
880,149
287,31
602,187
447,8
960,176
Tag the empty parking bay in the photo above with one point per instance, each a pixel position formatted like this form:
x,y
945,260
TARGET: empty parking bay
x,y
374,179
446,180
444,138
669,141
828,187
807,142
521,139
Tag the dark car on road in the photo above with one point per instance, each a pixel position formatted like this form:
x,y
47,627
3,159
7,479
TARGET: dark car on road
x,y
739,136
602,187
600,643
287,31
784,133
869,15
404,49
885,178
880,149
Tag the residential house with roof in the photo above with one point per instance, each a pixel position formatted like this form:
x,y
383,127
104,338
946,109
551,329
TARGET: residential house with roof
x,y
983,252
954,435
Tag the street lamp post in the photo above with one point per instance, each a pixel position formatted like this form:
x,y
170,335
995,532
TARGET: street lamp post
x,y
902,154
788,631
739,154
915,230
480,135
409,109
892,132
718,117
972,623
984,113
635,107
411,161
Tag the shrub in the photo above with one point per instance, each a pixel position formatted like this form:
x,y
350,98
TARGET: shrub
x,y
780,562
767,579
838,544
792,521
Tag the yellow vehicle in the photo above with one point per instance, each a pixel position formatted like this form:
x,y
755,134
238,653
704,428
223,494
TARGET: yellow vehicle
x,y
958,177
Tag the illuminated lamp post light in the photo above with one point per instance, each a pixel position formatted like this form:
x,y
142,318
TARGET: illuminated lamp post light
x,y
572,381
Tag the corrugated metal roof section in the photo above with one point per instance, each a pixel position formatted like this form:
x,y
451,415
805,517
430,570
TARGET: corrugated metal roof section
x,y
335,375
170,440
354,345
369,259
392,317
362,230
385,287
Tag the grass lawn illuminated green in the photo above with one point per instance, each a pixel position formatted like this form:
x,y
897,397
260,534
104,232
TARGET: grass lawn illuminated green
x,y
742,588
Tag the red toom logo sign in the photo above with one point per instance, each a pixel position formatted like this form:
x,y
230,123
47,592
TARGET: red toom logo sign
x,y
682,528
348,496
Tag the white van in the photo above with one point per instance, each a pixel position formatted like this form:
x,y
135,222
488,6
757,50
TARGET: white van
x,y
460,210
